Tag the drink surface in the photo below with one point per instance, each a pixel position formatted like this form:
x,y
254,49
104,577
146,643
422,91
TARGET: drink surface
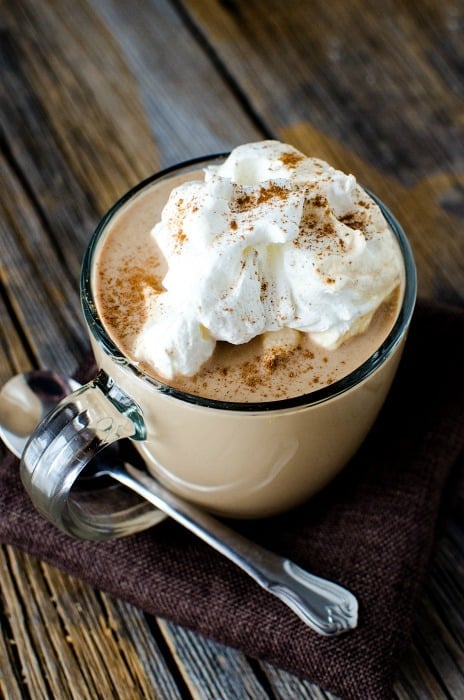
x,y
127,277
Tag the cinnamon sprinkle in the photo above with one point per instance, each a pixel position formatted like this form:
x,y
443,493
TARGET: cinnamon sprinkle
x,y
290,160
353,220
249,201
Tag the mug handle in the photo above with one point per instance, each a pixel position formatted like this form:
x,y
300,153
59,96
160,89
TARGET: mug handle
x,y
74,433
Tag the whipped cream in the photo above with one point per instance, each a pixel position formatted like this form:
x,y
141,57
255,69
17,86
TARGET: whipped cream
x,y
270,239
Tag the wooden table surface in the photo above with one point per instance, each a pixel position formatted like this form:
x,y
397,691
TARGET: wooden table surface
x,y
98,94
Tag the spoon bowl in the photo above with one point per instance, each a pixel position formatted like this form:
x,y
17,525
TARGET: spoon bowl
x,y
25,400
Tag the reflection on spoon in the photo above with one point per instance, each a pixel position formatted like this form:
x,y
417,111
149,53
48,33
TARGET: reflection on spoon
x,y
25,400
326,607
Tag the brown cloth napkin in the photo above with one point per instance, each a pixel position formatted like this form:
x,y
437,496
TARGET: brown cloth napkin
x,y
372,530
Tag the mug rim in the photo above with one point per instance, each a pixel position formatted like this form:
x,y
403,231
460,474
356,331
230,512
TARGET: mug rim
x,y
341,386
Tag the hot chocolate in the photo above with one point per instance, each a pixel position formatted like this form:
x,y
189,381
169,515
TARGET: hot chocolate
x,y
281,361
224,300
246,342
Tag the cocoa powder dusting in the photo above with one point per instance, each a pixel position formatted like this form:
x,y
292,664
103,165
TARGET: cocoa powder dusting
x,y
319,201
354,220
290,159
250,374
125,296
181,237
248,202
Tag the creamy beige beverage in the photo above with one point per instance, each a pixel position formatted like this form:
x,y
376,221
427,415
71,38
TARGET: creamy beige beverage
x,y
247,316
272,365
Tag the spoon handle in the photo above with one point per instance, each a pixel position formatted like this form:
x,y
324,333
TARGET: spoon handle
x,y
324,606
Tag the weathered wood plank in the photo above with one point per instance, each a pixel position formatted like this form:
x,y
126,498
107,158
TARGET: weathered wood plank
x,y
435,661
142,651
446,581
10,683
44,300
13,355
353,73
211,670
440,634
416,681
188,103
285,686
92,645
443,653
109,650
22,612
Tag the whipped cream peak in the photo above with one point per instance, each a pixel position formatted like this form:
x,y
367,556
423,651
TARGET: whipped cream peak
x,y
270,239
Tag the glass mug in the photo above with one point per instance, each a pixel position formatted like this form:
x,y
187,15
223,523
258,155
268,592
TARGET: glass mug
x,y
243,460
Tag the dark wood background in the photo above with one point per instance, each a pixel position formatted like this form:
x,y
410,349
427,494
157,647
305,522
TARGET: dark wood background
x,y
97,94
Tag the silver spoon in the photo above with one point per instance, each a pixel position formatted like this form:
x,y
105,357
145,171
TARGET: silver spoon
x,y
326,607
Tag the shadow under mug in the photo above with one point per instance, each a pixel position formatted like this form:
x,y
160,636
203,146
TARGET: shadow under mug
x,y
235,459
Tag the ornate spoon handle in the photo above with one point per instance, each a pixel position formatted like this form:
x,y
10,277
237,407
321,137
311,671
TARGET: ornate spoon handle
x,y
326,607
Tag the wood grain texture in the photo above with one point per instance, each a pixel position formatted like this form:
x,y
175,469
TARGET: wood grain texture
x,y
43,300
210,669
354,73
97,94
74,642
283,685
13,353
